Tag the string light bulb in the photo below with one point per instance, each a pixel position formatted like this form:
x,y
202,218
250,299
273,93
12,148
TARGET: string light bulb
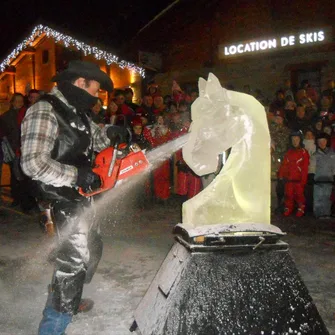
x,y
70,41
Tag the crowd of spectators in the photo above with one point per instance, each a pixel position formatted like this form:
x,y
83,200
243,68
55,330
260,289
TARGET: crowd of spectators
x,y
302,130
21,187
157,119
301,125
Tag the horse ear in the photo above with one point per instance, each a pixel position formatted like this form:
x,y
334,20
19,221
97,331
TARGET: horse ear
x,y
213,84
202,87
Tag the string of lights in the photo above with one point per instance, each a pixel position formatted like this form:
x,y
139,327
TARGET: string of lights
x,y
70,41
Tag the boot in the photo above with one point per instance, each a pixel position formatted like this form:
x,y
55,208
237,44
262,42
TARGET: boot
x,y
300,213
85,305
287,211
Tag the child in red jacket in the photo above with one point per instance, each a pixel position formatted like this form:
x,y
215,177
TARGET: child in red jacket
x,y
294,170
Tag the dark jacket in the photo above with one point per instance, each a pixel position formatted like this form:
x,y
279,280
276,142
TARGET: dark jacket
x,y
70,148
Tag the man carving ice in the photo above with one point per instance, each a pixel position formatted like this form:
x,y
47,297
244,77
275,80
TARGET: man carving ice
x,y
58,141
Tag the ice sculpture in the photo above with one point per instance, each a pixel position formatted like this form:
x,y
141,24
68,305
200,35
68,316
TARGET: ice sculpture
x,y
240,193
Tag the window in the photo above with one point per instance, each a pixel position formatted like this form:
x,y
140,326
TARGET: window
x,y
45,56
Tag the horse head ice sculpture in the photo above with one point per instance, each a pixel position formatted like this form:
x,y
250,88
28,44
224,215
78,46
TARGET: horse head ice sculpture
x,y
240,193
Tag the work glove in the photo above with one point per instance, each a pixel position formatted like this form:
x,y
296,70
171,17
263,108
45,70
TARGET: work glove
x,y
310,178
87,179
121,134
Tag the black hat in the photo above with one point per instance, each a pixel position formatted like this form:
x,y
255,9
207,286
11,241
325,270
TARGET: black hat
x,y
85,70
300,134
323,135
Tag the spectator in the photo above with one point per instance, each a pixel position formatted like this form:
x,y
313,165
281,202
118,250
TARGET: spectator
x,y
310,91
330,91
318,125
158,105
309,144
177,93
146,109
327,130
326,104
10,124
111,112
278,103
162,179
311,109
322,173
261,97
300,122
143,188
279,134
309,141
1,160
98,114
33,96
301,94
287,89
137,134
129,95
152,89
124,114
294,171
167,100
290,109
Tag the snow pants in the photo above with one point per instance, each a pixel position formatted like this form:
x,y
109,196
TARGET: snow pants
x,y
188,184
76,259
162,181
294,193
322,199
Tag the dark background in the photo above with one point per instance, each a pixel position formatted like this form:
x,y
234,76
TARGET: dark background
x,y
100,23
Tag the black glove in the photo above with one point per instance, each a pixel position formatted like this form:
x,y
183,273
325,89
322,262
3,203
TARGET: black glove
x,y
87,179
310,178
118,133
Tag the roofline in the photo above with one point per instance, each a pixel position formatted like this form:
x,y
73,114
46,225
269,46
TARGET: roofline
x,y
68,40
156,17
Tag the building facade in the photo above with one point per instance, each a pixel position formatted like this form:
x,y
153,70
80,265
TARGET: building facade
x,y
259,44
45,52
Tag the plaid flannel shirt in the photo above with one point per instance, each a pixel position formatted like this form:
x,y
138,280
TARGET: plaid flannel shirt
x,y
39,132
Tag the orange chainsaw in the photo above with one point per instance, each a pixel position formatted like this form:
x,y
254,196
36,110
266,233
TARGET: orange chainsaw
x,y
116,163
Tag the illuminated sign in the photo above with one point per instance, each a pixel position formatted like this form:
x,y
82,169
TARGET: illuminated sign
x,y
273,43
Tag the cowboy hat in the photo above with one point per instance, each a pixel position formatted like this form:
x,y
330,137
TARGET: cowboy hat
x,y
85,70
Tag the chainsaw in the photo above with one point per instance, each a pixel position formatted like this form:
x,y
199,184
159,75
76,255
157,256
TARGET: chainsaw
x,y
122,161
116,163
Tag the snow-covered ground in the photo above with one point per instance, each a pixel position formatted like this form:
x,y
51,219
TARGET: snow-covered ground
x,y
135,244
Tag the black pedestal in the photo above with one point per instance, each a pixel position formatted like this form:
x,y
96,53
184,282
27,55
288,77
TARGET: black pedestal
x,y
237,290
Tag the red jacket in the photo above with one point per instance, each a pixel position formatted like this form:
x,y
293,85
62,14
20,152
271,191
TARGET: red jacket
x,y
295,165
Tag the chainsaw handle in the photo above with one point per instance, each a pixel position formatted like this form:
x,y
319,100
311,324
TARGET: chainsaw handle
x,y
111,167
90,194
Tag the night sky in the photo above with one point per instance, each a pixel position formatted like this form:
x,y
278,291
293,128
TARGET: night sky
x,y
106,23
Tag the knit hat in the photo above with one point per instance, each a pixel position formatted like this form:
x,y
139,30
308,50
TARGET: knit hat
x,y
137,121
323,135
299,134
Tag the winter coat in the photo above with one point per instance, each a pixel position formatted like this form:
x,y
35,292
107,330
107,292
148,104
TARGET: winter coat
x,y
299,124
161,134
10,123
295,166
310,146
322,164
141,141
280,135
